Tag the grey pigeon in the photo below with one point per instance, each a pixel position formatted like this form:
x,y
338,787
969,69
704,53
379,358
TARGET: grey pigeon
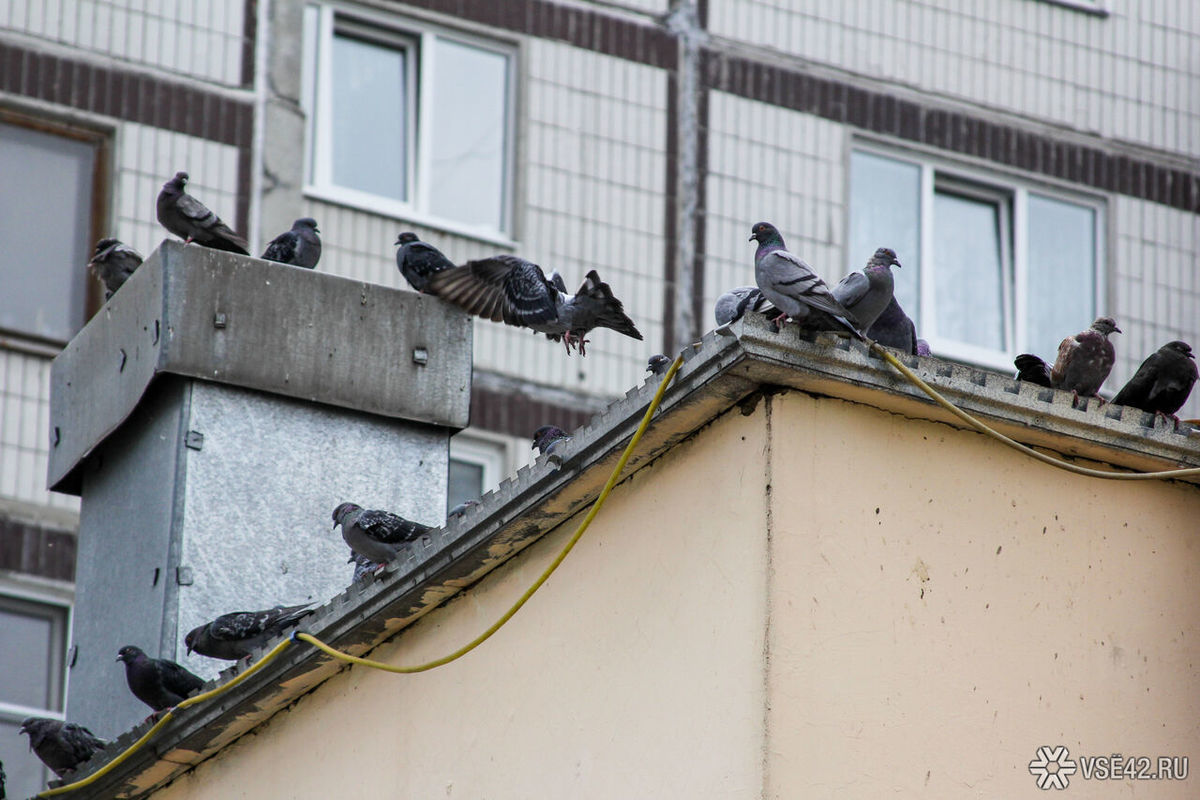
x,y
418,260
1032,369
734,304
514,291
868,293
238,634
658,364
377,535
923,348
792,287
548,438
113,263
189,219
893,328
363,566
62,746
1163,382
157,682
300,247
460,509
1085,359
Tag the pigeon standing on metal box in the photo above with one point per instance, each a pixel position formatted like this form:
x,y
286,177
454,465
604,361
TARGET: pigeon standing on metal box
x,y
113,263
189,219
733,305
418,260
792,287
238,634
868,293
1163,382
1032,369
376,535
1085,359
514,291
61,746
157,682
300,246
893,328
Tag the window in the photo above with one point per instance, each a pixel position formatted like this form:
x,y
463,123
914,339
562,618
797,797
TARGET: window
x,y
33,636
476,466
992,267
48,197
415,123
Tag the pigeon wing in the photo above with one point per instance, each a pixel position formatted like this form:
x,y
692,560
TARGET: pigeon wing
x,y
502,288
792,276
176,679
383,526
283,248
851,289
596,307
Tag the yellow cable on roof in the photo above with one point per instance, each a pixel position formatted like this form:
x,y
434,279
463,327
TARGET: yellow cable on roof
x,y
1029,451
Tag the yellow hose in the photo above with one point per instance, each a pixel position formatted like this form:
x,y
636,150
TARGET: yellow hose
x,y
1029,451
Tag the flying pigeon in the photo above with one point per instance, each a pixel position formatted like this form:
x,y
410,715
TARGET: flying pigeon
x,y
62,746
238,634
1163,382
893,328
363,566
418,260
188,218
157,682
113,263
658,364
548,437
377,535
868,293
509,289
734,304
1032,369
1085,359
792,287
300,247
460,509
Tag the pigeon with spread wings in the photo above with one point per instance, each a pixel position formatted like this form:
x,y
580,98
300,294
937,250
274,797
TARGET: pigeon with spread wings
x,y
514,291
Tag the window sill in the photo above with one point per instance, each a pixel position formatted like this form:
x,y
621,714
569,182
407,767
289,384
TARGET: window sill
x,y
385,207
32,346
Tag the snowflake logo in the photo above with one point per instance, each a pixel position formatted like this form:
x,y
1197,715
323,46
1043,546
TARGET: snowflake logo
x,y
1052,768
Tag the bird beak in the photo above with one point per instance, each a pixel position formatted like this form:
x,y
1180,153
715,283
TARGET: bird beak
x,y
189,649
118,658
896,262
1118,330
753,236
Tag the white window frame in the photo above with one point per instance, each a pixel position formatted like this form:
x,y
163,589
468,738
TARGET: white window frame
x,y
317,89
490,453
1000,186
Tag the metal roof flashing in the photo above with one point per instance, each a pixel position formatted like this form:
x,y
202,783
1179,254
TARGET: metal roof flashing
x,y
719,373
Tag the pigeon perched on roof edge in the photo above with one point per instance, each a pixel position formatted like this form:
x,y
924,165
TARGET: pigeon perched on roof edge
x,y
1163,382
1032,369
157,682
1085,359
192,221
113,262
733,305
894,328
299,247
62,746
868,293
237,634
418,260
658,364
376,535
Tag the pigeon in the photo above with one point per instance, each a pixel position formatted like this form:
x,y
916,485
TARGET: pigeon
x,y
923,348
509,289
377,535
300,247
460,509
893,328
418,260
363,566
869,293
62,746
238,634
186,217
792,287
1163,382
113,263
548,437
157,682
658,364
1032,369
734,304
1085,359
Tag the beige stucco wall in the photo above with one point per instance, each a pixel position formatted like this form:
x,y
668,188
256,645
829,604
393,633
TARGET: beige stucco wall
x,y
694,645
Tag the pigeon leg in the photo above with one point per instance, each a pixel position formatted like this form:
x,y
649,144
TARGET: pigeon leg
x,y
779,320
582,346
380,568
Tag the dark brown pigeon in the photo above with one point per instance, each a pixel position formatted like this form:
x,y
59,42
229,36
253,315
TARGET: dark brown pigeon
x,y
1032,369
1085,359
238,634
157,682
188,218
62,746
1163,382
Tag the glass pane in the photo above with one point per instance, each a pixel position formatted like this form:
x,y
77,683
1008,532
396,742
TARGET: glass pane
x,y
369,116
26,652
465,482
968,271
45,225
1061,295
885,211
26,775
469,107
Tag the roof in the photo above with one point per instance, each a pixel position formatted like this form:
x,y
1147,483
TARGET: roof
x,y
719,374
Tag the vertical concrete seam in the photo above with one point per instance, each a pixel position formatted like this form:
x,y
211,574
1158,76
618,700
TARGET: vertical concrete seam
x,y
768,583
171,600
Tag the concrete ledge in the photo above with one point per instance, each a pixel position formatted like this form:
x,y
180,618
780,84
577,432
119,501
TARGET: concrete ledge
x,y
243,321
